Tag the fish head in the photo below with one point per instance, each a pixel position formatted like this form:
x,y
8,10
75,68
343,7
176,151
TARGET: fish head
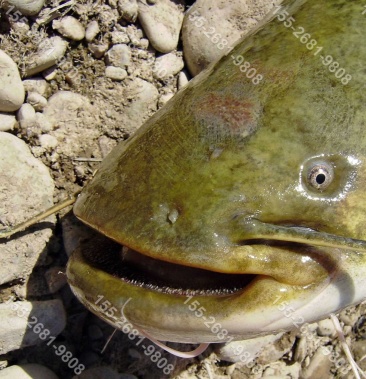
x,y
231,199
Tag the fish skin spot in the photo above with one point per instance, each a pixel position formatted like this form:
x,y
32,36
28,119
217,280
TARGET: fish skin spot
x,y
223,116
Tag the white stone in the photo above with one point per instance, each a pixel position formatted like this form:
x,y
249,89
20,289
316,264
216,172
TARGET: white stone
x,y
119,37
92,30
11,87
229,23
69,27
37,101
119,56
50,51
128,9
27,371
326,328
26,115
50,73
182,79
98,50
26,7
167,66
162,23
164,99
15,333
319,367
115,73
26,188
48,142
254,346
38,85
7,122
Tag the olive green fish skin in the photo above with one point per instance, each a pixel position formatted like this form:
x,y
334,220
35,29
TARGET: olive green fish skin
x,y
224,151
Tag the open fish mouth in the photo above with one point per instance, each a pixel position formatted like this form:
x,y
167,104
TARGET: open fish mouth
x,y
100,267
165,277
184,279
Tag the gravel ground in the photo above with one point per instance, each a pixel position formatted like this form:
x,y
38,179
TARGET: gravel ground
x,y
76,77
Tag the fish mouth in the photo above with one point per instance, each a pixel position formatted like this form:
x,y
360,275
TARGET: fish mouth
x,y
165,277
184,278
102,268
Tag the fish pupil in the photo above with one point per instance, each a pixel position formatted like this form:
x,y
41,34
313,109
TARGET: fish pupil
x,y
320,179
320,175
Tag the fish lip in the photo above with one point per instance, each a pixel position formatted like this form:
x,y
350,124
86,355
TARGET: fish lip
x,y
107,257
138,270
254,229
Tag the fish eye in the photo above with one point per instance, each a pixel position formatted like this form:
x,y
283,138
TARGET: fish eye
x,y
320,175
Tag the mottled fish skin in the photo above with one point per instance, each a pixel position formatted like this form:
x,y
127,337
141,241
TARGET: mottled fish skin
x,y
224,152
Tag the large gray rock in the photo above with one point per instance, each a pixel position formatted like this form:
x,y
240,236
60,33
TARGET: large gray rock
x,y
26,188
11,87
221,26
20,319
27,371
25,7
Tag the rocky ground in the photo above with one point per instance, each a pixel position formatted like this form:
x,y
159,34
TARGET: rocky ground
x,y
76,77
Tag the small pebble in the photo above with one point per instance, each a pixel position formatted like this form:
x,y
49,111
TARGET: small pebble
x,y
349,316
319,367
119,37
301,350
94,332
27,371
254,346
162,23
7,122
38,85
167,66
55,278
26,115
50,51
326,328
11,87
69,27
27,7
119,56
182,79
162,101
128,9
98,50
92,31
37,101
115,73
15,333
50,73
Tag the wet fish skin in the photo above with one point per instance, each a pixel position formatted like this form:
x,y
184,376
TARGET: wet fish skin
x,y
224,152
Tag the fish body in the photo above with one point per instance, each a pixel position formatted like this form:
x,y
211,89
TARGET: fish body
x,y
240,194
